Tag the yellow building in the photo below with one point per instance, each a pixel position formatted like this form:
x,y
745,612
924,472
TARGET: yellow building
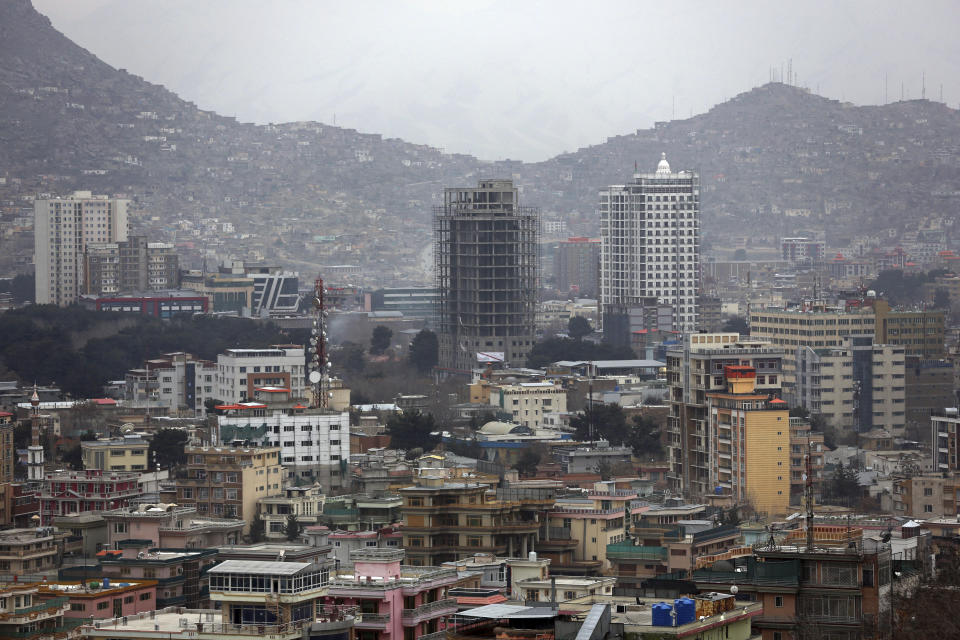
x,y
750,453
228,482
529,402
128,453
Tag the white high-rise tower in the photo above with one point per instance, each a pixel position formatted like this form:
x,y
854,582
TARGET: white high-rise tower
x,y
650,247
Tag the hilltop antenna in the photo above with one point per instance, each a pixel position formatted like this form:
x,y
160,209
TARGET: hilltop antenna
x,y
319,364
885,86
923,85
790,71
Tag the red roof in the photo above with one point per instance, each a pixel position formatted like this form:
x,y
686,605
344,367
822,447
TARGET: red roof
x,y
109,552
104,401
778,401
4,414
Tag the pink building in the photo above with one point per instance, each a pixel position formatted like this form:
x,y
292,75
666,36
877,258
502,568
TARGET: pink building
x,y
66,492
395,602
102,598
169,526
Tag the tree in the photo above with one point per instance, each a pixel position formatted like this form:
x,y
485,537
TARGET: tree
x,y
257,529
737,324
740,255
424,351
579,327
380,340
211,404
843,486
553,349
292,529
941,298
350,357
602,421
168,445
73,457
527,463
412,430
644,438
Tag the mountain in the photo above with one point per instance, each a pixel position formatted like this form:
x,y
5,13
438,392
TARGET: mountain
x,y
774,161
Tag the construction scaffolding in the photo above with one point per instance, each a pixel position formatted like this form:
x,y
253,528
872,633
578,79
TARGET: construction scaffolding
x,y
487,259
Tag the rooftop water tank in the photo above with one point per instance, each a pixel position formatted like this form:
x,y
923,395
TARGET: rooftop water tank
x,y
686,610
661,615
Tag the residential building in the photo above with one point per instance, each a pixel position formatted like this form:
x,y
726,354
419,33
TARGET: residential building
x,y
929,389
228,482
133,265
241,371
695,368
66,492
926,496
395,601
181,575
7,462
529,402
592,457
805,443
100,599
63,227
303,503
178,382
127,453
288,551
860,385
91,528
364,512
710,310
803,250
486,270
314,443
920,332
445,520
650,231
344,543
943,440
169,526
24,614
749,443
577,267
562,588
28,551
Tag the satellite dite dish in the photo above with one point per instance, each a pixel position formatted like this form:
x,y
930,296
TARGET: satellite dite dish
x,y
314,377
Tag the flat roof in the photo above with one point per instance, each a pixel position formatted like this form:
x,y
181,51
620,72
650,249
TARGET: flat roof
x,y
258,566
495,611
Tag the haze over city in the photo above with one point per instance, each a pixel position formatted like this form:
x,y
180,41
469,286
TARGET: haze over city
x,y
520,80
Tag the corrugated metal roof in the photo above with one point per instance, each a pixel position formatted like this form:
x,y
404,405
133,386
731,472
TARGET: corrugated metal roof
x,y
494,611
259,566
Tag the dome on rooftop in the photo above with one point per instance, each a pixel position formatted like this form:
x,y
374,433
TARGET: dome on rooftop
x,y
663,167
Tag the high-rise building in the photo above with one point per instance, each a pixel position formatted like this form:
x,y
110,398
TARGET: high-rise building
x,y
577,266
63,227
486,269
802,250
694,369
134,265
241,371
943,440
650,246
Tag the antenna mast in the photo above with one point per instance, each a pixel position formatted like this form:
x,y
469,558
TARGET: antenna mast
x,y
319,364
808,495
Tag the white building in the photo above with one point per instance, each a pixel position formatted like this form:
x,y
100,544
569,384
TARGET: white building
x,y
241,371
650,230
177,382
63,227
313,442
529,403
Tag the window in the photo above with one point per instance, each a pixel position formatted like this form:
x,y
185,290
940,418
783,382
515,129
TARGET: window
x,y
145,596
928,491
103,605
778,601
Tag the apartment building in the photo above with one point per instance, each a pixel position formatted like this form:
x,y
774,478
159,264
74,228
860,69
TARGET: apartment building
x,y
181,575
944,427
929,390
133,265
859,385
28,551
804,443
63,228
169,526
927,496
128,453
529,402
577,266
394,601
695,368
303,503
650,249
920,332
100,599
25,614
803,250
241,371
7,462
228,482
313,443
177,382
66,492
444,520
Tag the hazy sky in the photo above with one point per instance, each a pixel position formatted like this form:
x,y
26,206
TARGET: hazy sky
x,y
512,79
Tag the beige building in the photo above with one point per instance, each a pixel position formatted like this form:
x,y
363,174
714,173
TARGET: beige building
x,y
228,482
28,551
63,227
305,503
927,496
859,385
128,453
529,402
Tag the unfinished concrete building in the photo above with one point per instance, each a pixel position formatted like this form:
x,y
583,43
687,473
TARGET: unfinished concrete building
x,y
486,269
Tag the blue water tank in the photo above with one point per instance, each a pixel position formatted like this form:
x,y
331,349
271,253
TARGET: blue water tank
x,y
106,583
686,610
662,615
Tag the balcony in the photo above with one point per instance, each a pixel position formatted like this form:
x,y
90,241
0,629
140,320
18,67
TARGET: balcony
x,y
371,621
435,609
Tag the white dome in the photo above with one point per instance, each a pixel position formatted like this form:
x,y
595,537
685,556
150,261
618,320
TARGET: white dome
x,y
663,167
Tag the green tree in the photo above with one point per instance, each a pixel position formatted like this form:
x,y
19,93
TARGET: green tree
x,y
941,298
579,327
843,487
380,340
350,357
527,462
168,445
738,324
412,430
604,421
424,351
211,404
257,529
644,438
554,349
292,529
73,457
